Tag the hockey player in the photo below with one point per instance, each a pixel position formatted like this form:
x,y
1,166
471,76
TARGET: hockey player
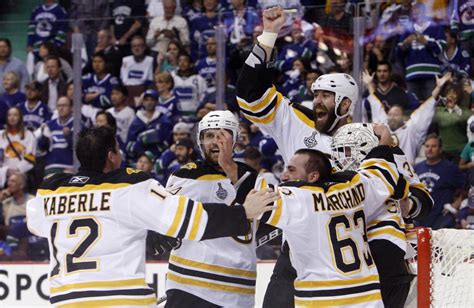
x,y
96,223
220,272
324,222
334,99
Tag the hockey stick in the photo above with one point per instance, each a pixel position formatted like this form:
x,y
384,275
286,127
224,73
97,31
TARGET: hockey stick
x,y
161,300
268,237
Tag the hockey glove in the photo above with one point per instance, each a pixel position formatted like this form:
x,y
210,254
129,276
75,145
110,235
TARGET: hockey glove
x,y
162,243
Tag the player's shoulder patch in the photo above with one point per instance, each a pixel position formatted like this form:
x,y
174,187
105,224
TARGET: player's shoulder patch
x,y
54,181
199,170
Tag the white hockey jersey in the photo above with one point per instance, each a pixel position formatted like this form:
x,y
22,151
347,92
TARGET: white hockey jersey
x,y
97,226
189,91
221,271
133,73
412,134
325,226
290,125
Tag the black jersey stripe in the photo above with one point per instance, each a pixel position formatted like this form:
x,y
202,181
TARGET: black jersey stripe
x,y
97,293
385,173
385,224
187,218
338,292
215,277
264,112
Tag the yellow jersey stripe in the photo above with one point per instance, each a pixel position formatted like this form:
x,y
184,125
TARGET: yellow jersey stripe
x,y
177,217
422,104
381,164
340,186
270,117
336,283
113,302
258,104
378,174
318,189
88,187
210,285
388,230
339,302
211,177
196,221
275,218
100,284
213,268
304,118
30,157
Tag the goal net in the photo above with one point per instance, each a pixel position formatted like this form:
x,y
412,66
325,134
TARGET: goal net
x,y
445,268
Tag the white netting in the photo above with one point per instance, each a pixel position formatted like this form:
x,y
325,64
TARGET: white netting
x,y
452,268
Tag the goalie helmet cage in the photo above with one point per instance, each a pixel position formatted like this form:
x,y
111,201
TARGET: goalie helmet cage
x,y
445,268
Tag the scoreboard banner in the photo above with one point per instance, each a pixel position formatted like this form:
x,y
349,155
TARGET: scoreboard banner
x,y
26,283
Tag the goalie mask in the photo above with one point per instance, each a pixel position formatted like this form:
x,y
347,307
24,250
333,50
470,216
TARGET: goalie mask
x,y
215,120
351,143
342,85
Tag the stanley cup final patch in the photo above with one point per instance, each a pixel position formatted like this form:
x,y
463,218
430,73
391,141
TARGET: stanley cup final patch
x,y
310,141
221,193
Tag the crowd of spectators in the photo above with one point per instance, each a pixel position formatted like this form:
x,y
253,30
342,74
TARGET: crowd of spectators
x,y
149,71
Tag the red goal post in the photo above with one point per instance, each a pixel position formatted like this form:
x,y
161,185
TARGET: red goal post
x,y
445,268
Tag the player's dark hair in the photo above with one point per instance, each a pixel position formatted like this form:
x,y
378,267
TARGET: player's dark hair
x,y
93,146
318,161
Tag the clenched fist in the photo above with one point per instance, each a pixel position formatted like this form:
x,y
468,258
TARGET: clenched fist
x,y
273,19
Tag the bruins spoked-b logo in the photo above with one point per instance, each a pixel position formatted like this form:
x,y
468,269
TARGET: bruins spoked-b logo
x,y
221,193
310,141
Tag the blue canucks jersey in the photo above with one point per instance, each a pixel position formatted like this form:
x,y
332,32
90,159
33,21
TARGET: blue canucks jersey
x,y
91,84
47,23
201,29
36,116
171,104
206,68
60,153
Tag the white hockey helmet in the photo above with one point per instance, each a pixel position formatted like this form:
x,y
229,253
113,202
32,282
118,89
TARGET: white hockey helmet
x,y
219,119
342,85
351,143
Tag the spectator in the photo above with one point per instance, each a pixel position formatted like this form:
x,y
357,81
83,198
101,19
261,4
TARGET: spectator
x,y
420,48
97,86
300,47
408,135
168,62
240,21
150,130
179,154
104,118
11,97
155,8
454,58
166,28
202,27
122,113
111,52
55,85
208,103
253,158
164,85
295,78
305,95
9,63
192,9
86,17
181,130
462,24
466,162
137,70
55,137
189,87
47,50
338,23
15,204
451,119
35,112
127,21
145,163
387,92
48,22
206,66
444,181
470,121
466,212
17,145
